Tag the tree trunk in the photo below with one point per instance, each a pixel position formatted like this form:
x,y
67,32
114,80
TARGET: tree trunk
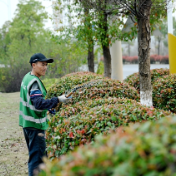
x,y
129,49
107,61
144,39
105,47
159,41
90,58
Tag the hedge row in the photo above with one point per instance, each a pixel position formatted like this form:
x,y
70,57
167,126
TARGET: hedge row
x,y
133,80
70,81
141,149
79,123
153,59
100,87
164,93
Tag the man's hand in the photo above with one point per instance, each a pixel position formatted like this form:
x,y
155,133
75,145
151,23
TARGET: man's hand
x,y
63,98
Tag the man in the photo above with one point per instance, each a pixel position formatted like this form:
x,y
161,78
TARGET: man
x,y
33,109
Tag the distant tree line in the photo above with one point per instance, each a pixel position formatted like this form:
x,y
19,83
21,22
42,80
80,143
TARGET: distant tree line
x,y
26,35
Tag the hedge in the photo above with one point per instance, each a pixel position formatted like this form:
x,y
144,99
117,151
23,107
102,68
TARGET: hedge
x,y
164,93
79,123
70,81
133,80
153,59
147,149
102,87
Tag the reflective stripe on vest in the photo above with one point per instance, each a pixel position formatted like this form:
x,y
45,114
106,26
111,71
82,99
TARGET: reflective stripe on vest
x,y
29,106
32,119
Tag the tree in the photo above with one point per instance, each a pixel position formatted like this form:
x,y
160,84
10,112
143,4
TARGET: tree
x,y
143,13
28,21
21,37
82,32
68,55
4,41
106,31
88,25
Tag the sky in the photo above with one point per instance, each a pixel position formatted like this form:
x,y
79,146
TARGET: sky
x,y
6,14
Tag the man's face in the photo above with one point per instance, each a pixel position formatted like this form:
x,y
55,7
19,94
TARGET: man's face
x,y
39,68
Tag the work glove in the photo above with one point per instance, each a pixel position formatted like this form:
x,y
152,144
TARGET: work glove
x,y
64,99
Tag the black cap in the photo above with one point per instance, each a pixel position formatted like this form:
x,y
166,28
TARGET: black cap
x,y
39,57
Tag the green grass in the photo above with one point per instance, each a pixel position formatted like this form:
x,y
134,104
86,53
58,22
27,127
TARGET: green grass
x,y
13,149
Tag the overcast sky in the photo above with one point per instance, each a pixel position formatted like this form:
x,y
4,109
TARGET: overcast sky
x,y
5,14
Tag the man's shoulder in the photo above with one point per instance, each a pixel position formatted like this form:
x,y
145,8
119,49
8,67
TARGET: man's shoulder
x,y
35,86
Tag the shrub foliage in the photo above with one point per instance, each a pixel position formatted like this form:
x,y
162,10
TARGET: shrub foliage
x,y
76,112
164,93
79,123
133,80
101,87
70,81
140,149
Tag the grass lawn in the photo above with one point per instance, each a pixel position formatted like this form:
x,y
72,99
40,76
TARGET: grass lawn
x,y
13,149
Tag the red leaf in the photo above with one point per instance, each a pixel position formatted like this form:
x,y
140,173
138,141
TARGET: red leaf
x,y
71,135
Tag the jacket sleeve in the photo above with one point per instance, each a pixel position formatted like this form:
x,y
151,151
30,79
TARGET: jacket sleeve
x,y
39,102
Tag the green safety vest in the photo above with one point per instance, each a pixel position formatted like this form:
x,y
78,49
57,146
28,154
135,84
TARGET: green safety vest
x,y
29,116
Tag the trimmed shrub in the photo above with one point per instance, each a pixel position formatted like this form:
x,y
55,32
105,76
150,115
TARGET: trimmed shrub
x,y
164,93
70,81
153,59
133,80
79,123
140,149
102,87
165,60
159,59
130,59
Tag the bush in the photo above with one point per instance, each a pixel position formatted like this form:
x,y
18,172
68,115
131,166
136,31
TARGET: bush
x,y
153,59
164,93
133,80
130,59
140,149
165,60
102,87
79,123
12,75
70,81
159,59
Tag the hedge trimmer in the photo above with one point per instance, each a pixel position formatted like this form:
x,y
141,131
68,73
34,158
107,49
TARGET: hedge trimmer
x,y
70,92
